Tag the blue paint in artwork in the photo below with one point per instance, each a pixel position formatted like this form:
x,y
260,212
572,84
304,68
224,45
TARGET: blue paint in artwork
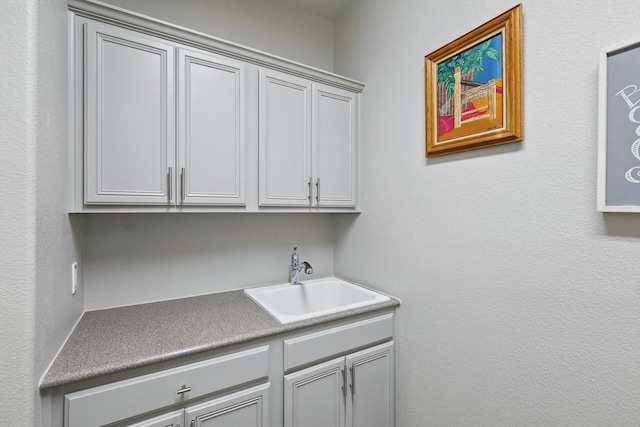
x,y
492,68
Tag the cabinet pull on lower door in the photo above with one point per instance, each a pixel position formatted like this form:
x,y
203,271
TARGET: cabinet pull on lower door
x,y
309,185
318,192
182,184
353,379
344,381
170,177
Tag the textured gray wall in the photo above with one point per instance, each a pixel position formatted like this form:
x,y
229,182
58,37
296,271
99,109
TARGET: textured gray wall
x,y
520,299
38,241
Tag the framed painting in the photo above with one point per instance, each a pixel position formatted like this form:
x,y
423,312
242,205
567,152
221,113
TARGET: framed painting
x,y
619,128
473,88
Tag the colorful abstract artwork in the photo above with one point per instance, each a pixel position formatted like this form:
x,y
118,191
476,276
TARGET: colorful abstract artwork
x,y
473,90
470,90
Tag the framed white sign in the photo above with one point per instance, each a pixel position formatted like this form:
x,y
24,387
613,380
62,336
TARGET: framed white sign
x,y
619,128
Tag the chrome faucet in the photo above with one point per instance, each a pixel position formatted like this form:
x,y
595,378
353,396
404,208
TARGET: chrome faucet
x,y
297,267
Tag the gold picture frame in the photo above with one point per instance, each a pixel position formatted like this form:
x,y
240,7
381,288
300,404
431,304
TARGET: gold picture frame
x,y
473,88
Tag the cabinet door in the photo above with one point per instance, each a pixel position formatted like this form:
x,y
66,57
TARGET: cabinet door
x,y
173,419
335,132
211,148
285,139
248,408
130,141
371,382
315,397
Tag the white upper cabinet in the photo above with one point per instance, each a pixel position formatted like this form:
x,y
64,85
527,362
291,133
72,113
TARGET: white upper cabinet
x,y
285,140
131,153
164,119
129,117
334,146
308,143
211,159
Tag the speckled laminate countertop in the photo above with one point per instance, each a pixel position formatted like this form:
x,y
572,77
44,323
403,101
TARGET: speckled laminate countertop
x,y
115,340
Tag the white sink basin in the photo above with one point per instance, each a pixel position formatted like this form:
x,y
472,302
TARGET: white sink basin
x,y
289,303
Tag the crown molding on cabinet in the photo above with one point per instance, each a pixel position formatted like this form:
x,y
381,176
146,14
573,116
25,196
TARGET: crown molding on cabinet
x,y
114,15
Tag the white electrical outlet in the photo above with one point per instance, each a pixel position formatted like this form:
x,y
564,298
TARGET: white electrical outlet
x,y
74,278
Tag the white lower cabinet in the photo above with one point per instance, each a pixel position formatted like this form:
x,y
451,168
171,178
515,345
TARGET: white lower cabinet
x,y
172,419
248,408
356,390
314,397
338,376
371,387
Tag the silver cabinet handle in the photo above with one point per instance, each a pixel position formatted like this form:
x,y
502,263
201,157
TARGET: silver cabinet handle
x,y
318,192
353,379
184,389
170,192
344,380
182,184
309,185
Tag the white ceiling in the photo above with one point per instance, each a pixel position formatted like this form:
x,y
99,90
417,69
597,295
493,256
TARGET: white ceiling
x,y
330,9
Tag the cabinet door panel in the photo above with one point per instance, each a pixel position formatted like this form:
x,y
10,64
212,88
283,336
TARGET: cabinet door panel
x,y
285,139
314,397
371,382
173,419
211,129
334,145
129,117
248,408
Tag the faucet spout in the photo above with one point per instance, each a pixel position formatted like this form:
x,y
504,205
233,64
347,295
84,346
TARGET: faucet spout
x,y
306,267
297,267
